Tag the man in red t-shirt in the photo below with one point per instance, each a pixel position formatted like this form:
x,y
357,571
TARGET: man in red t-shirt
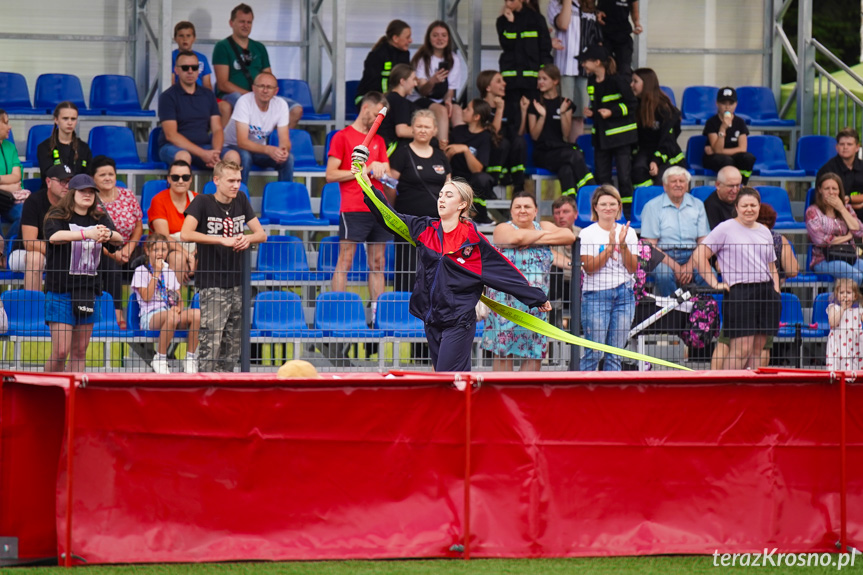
x,y
356,223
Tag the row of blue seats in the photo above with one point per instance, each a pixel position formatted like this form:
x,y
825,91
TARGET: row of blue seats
x,y
110,94
275,314
771,160
756,105
114,94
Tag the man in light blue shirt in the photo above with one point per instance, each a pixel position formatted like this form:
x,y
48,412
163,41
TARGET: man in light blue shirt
x,y
675,222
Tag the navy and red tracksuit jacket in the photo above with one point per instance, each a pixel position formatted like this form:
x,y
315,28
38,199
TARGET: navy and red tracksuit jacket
x,y
448,286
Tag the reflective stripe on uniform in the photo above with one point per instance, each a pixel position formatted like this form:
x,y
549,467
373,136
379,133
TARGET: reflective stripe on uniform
x,y
621,129
611,97
583,181
530,34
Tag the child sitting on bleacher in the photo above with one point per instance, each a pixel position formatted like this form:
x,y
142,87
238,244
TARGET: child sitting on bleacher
x,y
158,293
846,332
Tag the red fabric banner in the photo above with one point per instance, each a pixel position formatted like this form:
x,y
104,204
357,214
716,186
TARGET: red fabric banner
x,y
237,467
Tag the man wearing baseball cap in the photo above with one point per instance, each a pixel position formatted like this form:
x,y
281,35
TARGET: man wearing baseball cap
x,y
727,137
29,253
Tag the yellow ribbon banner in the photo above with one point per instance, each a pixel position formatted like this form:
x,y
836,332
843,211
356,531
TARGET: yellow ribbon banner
x,y
518,317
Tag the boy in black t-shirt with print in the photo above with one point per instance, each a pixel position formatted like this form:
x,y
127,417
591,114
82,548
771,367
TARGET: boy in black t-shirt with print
x,y
727,136
215,222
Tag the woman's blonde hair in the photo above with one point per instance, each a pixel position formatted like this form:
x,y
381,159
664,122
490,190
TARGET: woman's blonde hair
x,y
851,285
424,113
465,193
604,190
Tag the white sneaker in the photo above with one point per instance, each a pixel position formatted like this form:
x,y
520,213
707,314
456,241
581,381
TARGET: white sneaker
x,y
190,364
160,365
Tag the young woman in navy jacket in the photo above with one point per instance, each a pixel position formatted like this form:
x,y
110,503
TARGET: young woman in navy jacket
x,y
455,263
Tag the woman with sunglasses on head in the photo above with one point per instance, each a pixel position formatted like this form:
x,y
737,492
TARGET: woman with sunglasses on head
x,y
166,216
125,211
64,146
76,228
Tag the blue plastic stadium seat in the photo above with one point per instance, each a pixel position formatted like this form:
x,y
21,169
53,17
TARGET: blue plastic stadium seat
x,y
393,316
792,316
153,148
699,103
37,134
280,314
288,204
778,199
813,152
757,106
106,323
328,256
810,197
26,313
819,315
695,155
770,158
284,259
351,110
585,144
116,95
640,197
327,142
702,192
51,89
670,93
118,142
299,91
304,153
341,314
582,201
148,192
14,94
331,201
808,268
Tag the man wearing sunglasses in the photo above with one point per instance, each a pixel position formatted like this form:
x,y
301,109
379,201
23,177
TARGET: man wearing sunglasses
x,y
256,115
189,113
166,215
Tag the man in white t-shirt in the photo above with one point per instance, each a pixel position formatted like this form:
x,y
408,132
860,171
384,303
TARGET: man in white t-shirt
x,y
256,115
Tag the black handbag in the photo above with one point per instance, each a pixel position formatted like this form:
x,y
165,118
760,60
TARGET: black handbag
x,y
841,253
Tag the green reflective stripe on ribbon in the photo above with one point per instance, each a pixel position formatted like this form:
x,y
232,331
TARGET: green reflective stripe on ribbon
x,y
392,148
510,35
644,183
611,97
530,34
521,318
621,129
392,221
536,325
583,181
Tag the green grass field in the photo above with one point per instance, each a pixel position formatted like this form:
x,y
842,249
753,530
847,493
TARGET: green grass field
x,y
583,566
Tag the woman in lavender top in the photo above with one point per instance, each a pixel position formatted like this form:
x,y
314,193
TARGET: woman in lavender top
x,y
744,249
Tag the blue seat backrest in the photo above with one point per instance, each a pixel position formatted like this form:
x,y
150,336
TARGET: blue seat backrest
x,y
339,311
769,152
51,89
114,93
813,152
670,93
695,152
118,142
284,200
210,188
699,102
302,149
393,312
283,253
778,199
278,310
331,201
756,102
14,93
702,192
298,91
37,134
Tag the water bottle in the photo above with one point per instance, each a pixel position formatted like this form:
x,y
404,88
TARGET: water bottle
x,y
389,181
